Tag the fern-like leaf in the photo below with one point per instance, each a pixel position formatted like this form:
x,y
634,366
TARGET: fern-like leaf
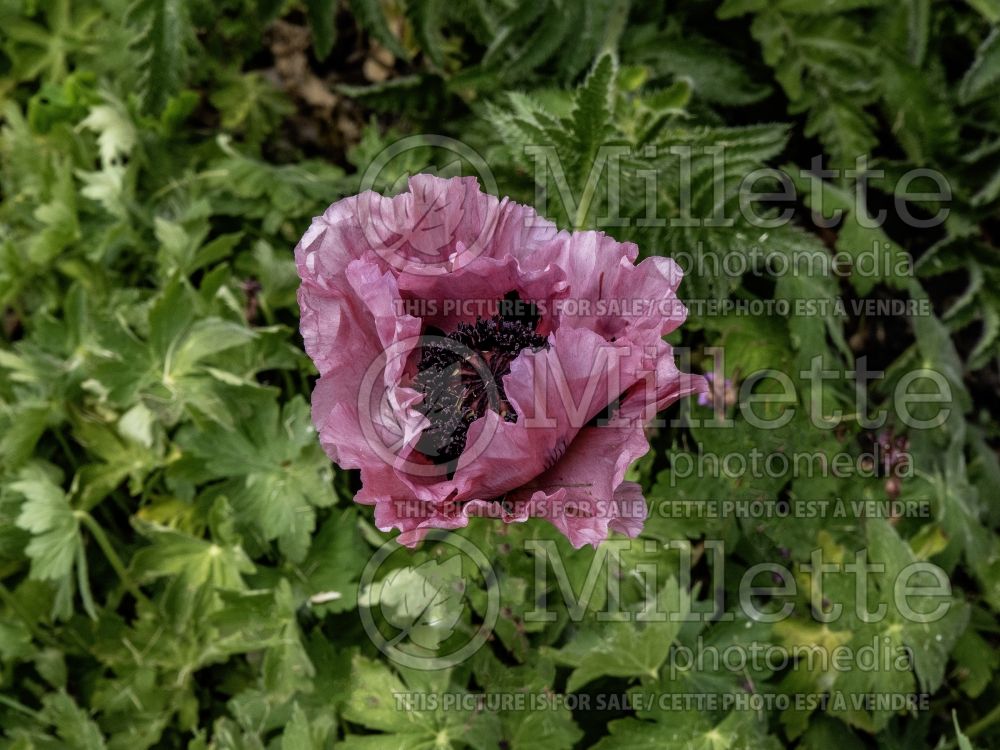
x,y
591,118
372,19
426,17
985,71
165,35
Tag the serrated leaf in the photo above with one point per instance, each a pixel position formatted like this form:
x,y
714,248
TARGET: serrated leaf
x,y
423,603
116,134
984,73
371,16
56,548
272,469
72,724
636,647
426,17
372,702
55,531
164,39
738,731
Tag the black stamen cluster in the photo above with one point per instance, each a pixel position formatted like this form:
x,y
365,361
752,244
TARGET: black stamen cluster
x,y
461,376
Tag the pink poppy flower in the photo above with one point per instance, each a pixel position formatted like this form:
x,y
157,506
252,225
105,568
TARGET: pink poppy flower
x,y
476,361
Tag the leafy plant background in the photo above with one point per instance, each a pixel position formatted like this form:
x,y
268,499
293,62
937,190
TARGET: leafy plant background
x,y
178,559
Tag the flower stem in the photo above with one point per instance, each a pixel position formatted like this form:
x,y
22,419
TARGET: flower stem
x,y
984,723
109,552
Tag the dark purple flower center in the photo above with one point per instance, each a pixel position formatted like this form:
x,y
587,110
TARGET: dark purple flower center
x,y
461,374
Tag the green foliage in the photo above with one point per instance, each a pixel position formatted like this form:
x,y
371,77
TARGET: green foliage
x,y
322,22
182,566
164,40
984,72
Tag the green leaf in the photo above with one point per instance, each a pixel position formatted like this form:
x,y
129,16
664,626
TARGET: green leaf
x,y
426,17
77,730
738,731
423,603
989,9
636,647
874,256
930,643
552,728
976,663
715,74
56,545
371,17
921,115
164,41
333,567
984,73
963,741
734,8
822,65
378,701
55,531
23,428
195,569
591,122
372,702
271,467
322,21
299,733
116,132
